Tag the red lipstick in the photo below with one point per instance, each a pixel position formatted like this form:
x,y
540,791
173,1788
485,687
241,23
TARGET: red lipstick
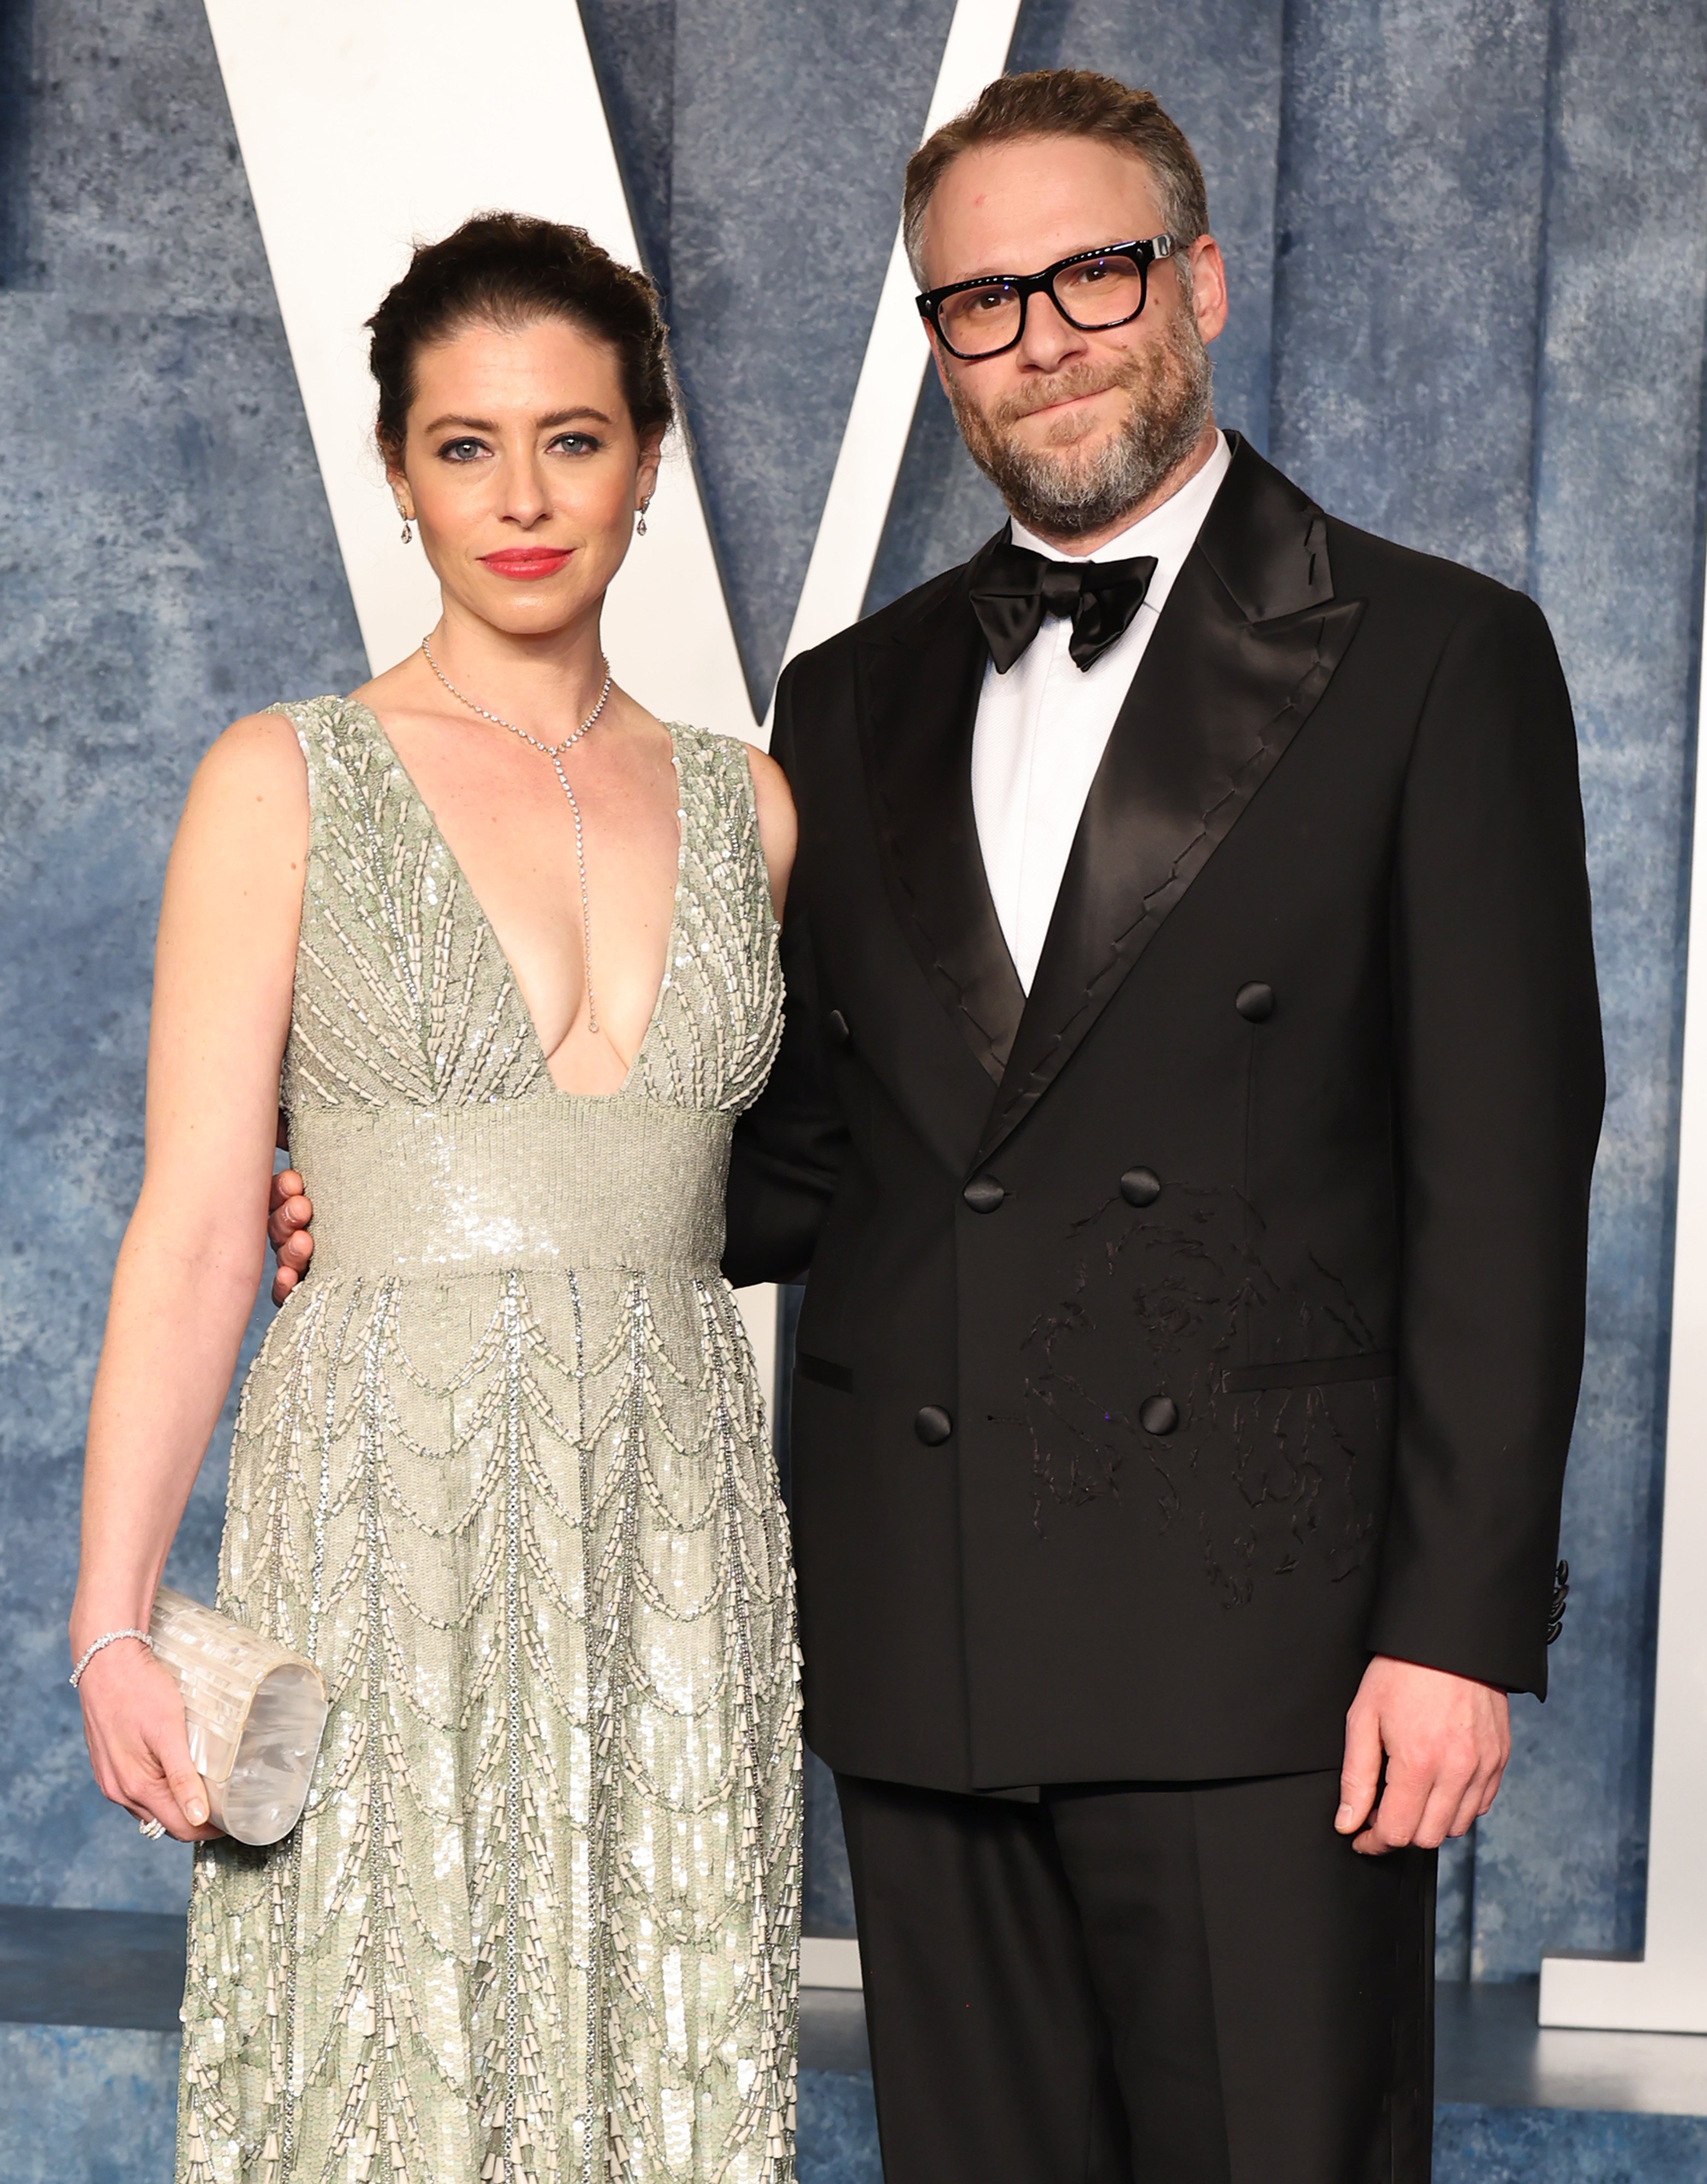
x,y
526,563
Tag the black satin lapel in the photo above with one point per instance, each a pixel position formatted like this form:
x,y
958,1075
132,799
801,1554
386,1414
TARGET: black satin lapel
x,y
1217,699
917,704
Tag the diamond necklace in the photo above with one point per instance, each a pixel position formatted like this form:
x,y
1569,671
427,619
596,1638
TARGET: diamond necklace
x,y
554,753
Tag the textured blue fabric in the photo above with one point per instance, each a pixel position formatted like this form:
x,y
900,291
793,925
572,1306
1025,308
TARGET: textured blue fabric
x,y
168,564
81,2107
1566,2146
1469,252
838,2130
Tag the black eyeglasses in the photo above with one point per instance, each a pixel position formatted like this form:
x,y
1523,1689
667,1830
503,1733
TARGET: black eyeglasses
x,y
1093,290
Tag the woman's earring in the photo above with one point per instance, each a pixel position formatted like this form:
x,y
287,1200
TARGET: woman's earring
x,y
640,521
407,533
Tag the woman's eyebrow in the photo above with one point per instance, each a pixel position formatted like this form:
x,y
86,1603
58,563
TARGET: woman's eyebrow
x,y
555,417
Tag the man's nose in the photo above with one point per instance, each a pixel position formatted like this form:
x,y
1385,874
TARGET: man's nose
x,y
1047,339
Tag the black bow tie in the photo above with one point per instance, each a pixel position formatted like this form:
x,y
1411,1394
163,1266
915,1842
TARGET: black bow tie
x,y
1012,590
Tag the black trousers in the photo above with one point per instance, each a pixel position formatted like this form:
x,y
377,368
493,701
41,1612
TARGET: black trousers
x,y
1193,1983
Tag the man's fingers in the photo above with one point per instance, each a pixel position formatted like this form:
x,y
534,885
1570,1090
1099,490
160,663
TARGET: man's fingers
x,y
1470,1809
1396,1817
289,1218
1361,1770
292,1256
287,1231
1439,1813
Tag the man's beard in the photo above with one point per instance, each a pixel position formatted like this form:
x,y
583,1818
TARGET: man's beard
x,y
1060,494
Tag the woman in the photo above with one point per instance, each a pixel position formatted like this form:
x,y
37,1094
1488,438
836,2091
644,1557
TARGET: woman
x,y
500,1467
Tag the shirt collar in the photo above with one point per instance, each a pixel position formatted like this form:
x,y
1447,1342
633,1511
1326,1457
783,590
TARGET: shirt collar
x,y
1170,532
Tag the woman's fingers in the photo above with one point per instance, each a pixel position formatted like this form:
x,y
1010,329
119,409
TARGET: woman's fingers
x,y
183,1785
133,1717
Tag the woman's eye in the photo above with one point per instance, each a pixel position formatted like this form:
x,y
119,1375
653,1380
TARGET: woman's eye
x,y
462,451
576,444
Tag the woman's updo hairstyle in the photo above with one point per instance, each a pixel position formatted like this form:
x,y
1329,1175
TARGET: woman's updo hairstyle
x,y
510,271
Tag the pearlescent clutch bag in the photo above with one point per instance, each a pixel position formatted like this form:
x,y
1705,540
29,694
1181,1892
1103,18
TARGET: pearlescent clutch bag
x,y
255,1713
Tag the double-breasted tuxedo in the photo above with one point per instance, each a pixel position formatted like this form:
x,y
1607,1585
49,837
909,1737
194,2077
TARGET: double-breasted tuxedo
x,y
1178,1334
1183,1333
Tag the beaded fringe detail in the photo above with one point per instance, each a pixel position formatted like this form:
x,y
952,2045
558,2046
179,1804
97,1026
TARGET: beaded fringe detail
x,y
540,1922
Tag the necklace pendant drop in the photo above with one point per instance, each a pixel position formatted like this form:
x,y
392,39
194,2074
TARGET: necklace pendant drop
x,y
554,753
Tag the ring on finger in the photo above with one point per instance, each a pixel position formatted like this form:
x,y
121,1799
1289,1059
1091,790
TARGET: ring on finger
x,y
152,1829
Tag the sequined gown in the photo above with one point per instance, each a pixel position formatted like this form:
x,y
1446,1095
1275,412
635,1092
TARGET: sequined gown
x,y
501,1470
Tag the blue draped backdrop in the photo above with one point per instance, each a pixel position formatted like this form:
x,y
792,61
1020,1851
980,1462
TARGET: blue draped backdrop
x,y
1469,256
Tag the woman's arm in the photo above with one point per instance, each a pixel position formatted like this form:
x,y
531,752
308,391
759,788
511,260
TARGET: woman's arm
x,y
191,1258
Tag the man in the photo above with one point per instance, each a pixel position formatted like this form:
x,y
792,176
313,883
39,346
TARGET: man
x,y
1191,1083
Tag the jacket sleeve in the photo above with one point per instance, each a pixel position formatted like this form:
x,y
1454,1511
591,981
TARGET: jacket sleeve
x,y
789,1146
1500,1089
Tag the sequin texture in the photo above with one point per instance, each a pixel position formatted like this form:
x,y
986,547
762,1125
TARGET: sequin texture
x,y
502,1470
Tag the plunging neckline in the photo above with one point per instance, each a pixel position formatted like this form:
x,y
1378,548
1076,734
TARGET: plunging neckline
x,y
462,881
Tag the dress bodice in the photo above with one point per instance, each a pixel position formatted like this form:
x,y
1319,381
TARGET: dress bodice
x,y
404,997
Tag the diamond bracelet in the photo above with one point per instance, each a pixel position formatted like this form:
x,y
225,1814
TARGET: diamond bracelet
x,y
111,1638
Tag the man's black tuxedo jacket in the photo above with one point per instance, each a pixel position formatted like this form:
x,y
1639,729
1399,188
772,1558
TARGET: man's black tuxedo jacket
x,y
1243,1262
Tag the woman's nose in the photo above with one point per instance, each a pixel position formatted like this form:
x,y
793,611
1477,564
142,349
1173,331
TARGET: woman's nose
x,y
527,497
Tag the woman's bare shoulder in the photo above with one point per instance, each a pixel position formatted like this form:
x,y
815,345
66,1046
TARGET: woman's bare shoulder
x,y
253,776
260,747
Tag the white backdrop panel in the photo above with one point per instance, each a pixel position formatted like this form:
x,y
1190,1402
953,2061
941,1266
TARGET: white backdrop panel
x,y
364,129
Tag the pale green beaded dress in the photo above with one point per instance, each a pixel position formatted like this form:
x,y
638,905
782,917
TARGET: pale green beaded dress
x,y
502,1470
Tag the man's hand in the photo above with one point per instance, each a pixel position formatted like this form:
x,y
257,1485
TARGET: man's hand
x,y
288,1214
1447,1740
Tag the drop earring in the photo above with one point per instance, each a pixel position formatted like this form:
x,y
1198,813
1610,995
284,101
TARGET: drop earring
x,y
640,521
407,533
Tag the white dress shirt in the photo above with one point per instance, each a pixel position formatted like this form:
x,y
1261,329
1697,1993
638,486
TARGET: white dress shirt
x,y
1042,727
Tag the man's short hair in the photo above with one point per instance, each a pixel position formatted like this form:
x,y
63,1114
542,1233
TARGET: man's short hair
x,y
1064,102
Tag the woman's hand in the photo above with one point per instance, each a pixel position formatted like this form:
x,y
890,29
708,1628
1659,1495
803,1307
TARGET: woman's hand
x,y
133,1720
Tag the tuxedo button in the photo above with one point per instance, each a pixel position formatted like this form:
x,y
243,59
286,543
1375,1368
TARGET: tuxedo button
x,y
983,1194
838,1025
1160,1415
1255,1002
1140,1186
933,1425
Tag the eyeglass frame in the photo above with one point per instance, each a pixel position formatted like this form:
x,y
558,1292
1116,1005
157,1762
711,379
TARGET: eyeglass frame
x,y
1152,251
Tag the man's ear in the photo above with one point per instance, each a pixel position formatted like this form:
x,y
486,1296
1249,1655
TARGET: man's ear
x,y
1208,286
